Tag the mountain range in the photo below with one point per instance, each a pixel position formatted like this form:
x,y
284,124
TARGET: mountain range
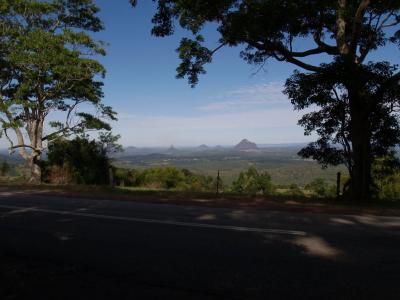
x,y
246,145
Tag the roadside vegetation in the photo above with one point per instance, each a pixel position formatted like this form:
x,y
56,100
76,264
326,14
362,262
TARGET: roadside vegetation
x,y
85,162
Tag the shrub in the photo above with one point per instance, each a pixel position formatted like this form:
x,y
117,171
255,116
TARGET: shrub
x,y
252,182
165,178
295,190
386,178
80,160
320,188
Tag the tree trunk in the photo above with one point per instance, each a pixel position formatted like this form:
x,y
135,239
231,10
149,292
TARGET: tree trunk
x,y
35,131
36,171
360,187
361,177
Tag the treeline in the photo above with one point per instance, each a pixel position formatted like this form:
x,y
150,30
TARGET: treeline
x,y
249,182
8,169
169,178
85,161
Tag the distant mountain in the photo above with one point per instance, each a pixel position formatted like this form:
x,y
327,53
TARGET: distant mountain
x,y
203,147
14,157
133,151
283,145
245,145
130,150
171,150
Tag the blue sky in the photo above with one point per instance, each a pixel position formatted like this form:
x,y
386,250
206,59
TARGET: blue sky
x,y
231,102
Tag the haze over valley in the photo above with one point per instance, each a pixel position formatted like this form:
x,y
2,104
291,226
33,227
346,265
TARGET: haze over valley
x,y
280,160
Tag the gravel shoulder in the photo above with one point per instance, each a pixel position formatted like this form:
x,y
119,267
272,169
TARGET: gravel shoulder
x,y
278,203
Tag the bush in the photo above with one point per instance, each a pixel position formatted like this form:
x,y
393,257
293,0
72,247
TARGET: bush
x,y
386,178
252,182
4,168
295,190
166,178
169,178
321,189
76,161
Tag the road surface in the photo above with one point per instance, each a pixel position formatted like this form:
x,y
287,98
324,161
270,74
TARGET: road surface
x,y
70,248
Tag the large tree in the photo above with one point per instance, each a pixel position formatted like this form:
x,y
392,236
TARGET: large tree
x,y
357,98
48,67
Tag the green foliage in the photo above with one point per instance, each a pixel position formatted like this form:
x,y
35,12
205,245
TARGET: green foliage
x,y
253,182
169,178
279,163
85,161
389,187
320,188
386,176
48,65
333,118
295,190
108,142
5,168
271,28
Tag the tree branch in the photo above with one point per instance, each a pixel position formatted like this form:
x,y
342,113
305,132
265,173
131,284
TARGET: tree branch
x,y
314,51
328,48
64,130
383,23
219,47
357,25
275,49
302,64
25,146
341,28
20,137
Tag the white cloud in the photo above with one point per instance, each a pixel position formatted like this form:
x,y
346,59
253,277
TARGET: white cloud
x,y
252,119
258,94
263,126
245,112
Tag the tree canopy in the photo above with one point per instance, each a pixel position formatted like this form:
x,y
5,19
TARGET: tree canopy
x,y
47,61
356,99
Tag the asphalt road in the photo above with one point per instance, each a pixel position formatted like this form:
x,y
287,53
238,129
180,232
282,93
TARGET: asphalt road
x,y
63,248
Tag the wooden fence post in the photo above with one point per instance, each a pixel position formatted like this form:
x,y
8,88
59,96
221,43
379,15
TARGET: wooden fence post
x,y
111,176
218,179
338,185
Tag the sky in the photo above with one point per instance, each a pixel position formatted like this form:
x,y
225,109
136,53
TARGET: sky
x,y
232,101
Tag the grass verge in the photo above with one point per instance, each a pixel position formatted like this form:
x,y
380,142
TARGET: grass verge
x,y
207,199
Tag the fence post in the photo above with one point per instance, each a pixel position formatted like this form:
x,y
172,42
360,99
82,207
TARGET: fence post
x,y
338,184
111,176
218,179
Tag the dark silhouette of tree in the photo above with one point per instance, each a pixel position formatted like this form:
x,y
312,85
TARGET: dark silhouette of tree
x,y
358,99
334,121
85,160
